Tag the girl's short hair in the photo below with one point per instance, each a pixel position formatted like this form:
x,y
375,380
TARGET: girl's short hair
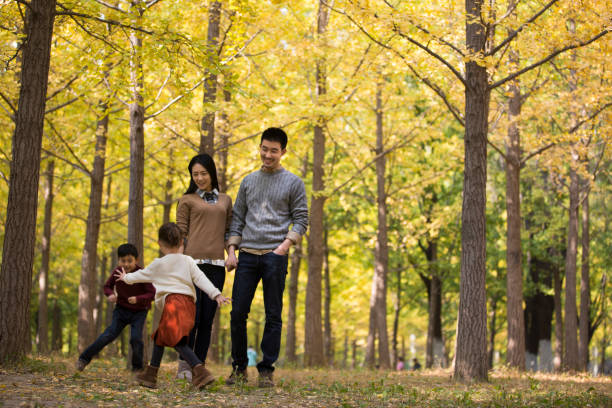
x,y
170,234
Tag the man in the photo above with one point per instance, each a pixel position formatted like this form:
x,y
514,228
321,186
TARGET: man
x,y
269,202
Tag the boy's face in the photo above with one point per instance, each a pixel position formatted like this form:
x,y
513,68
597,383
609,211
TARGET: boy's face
x,y
128,263
271,153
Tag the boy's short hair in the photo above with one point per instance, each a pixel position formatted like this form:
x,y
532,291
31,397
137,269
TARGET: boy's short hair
x,y
170,234
127,249
274,134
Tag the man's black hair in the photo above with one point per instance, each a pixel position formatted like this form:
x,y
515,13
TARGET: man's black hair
x,y
127,249
275,135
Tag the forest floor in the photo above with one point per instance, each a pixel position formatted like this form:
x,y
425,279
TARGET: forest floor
x,y
54,382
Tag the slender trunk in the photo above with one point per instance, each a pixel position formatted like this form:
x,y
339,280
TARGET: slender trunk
x,y
585,290
296,258
514,278
100,295
346,350
396,314
570,355
313,342
604,312
20,224
222,154
328,339
43,276
557,284
56,328
88,284
207,138
471,344
354,354
492,331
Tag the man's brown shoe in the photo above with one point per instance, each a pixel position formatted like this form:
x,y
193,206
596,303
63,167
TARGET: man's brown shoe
x,y
265,379
201,376
237,376
148,377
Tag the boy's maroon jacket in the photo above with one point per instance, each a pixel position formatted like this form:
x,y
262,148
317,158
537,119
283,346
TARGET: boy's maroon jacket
x,y
144,292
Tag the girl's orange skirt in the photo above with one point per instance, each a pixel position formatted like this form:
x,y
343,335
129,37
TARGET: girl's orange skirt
x,y
176,320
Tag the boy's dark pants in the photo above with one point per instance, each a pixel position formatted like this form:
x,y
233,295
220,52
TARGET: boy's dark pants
x,y
271,269
121,318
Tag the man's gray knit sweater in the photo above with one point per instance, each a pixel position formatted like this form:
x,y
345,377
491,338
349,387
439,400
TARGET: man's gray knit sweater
x,y
266,205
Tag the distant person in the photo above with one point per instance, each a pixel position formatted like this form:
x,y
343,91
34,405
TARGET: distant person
x,y
174,275
252,356
132,305
204,214
415,364
270,214
400,364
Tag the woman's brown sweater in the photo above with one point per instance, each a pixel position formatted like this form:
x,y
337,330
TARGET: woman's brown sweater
x,y
205,225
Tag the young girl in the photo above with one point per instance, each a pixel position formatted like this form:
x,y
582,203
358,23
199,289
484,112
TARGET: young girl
x,y
173,276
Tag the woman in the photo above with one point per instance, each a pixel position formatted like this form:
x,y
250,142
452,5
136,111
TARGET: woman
x,y
204,215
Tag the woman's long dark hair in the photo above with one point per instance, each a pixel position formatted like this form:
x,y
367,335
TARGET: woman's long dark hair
x,y
209,164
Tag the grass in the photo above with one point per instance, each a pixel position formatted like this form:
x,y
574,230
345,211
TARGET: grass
x,y
53,381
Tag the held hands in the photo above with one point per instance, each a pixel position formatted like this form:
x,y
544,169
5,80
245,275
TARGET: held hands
x,y
222,300
231,262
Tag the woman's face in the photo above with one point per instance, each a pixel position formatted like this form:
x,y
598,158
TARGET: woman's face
x,y
201,177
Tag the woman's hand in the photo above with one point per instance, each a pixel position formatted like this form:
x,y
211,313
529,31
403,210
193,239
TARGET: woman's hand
x,y
222,300
231,262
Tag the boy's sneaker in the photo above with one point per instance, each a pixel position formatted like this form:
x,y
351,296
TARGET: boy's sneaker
x,y
237,376
265,379
81,364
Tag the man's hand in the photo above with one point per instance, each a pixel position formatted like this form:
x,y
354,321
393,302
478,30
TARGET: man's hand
x,y
231,262
283,249
132,300
112,298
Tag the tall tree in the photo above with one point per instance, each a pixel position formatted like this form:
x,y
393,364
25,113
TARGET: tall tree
x,y
42,338
88,288
378,299
20,225
313,342
207,129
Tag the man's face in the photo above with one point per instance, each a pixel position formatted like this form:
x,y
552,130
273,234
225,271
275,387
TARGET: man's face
x,y
128,263
271,153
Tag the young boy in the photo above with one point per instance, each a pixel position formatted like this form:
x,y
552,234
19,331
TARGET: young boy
x,y
133,303
174,275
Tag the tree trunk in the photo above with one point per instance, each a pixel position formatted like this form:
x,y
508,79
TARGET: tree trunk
x,y
207,135
100,298
43,276
570,355
396,314
328,339
137,147
471,345
56,328
514,278
222,154
20,224
88,284
558,284
492,332
585,290
313,342
378,299
294,271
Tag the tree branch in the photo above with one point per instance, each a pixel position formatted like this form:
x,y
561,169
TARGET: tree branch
x,y
535,153
592,116
110,6
546,59
60,106
68,12
8,102
173,101
81,166
514,33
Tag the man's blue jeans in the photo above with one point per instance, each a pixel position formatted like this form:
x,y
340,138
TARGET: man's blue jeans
x,y
121,318
271,269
